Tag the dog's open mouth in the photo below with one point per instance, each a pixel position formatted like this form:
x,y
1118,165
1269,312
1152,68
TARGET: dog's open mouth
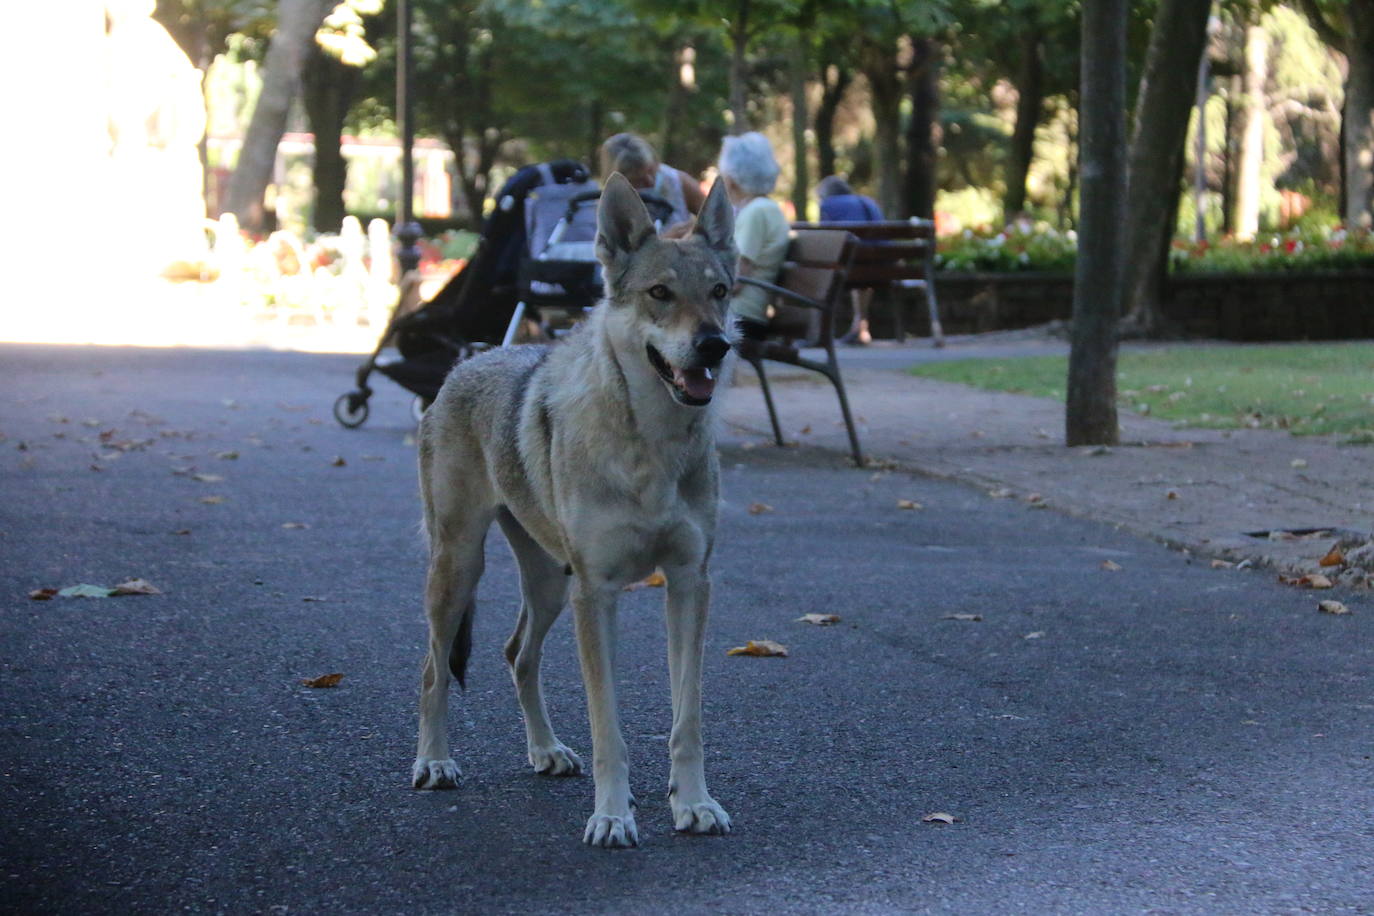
x,y
692,386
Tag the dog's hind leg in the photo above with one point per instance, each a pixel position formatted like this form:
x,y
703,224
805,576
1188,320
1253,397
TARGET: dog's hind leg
x,y
612,823
544,591
455,565
689,599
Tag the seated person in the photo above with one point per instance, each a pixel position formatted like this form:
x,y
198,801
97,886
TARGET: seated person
x,y
840,204
633,157
750,173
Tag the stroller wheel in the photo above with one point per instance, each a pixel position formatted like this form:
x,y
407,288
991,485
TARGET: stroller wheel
x,y
419,406
351,409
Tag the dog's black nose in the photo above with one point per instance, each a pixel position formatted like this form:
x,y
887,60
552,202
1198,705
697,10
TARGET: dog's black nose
x,y
711,345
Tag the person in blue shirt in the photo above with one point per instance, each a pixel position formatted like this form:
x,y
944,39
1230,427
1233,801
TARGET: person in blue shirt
x,y
840,204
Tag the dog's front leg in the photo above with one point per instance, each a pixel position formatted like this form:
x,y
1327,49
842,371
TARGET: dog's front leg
x,y
689,599
612,823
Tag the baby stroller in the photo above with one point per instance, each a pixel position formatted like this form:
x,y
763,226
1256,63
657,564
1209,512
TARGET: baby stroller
x,y
534,262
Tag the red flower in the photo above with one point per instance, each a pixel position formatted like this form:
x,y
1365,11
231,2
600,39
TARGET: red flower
x,y
1290,246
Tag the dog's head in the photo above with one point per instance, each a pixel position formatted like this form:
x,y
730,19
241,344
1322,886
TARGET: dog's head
x,y
670,295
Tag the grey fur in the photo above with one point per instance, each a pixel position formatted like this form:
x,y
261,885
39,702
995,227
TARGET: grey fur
x,y
596,454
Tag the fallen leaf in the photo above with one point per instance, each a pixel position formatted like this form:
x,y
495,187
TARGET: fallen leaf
x,y
85,591
759,508
1110,566
324,680
43,594
1332,607
973,617
939,817
212,500
182,531
1171,494
654,579
227,456
316,598
1034,498
1222,564
1000,493
820,620
1333,557
806,430
290,525
1298,463
1311,580
136,587
1038,634
207,478
338,461
909,504
763,648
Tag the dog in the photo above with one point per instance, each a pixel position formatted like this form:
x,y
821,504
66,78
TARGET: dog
x,y
596,455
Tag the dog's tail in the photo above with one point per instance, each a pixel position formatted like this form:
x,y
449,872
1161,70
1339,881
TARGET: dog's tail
x,y
462,646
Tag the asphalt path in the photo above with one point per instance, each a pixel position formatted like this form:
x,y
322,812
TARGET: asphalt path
x,y
1163,738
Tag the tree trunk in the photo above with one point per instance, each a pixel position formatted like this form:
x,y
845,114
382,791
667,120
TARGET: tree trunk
x,y
923,130
1358,116
672,110
739,70
801,177
831,97
1030,88
1165,100
1090,417
297,22
327,90
1228,169
885,87
1252,136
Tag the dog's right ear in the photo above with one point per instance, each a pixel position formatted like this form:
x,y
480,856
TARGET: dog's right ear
x,y
622,222
716,221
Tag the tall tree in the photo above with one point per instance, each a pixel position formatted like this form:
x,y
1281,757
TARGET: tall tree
x,y
1255,113
1348,26
297,22
328,85
1163,104
1090,417
923,129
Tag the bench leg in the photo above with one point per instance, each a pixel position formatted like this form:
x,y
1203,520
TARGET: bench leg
x,y
937,333
834,375
768,399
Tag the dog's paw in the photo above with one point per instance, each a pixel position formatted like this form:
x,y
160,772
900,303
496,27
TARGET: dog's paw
x,y
700,817
557,760
434,774
610,832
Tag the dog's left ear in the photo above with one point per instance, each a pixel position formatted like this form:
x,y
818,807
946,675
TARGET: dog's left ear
x,y
716,222
622,222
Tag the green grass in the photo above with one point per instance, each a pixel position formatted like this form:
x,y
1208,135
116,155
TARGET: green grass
x,y
1307,389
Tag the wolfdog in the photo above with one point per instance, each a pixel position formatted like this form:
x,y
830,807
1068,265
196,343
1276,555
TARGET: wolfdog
x,y
596,456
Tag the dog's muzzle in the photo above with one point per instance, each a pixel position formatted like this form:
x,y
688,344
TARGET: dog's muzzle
x,y
693,385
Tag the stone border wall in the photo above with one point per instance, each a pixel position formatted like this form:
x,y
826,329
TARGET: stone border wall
x,y
1269,306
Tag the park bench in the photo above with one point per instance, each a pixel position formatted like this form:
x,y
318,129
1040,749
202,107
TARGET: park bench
x,y
893,255
809,289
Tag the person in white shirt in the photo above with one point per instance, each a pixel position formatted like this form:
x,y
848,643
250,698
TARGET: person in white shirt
x,y
751,172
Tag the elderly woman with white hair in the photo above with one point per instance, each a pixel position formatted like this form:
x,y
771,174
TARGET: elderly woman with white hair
x,y
761,232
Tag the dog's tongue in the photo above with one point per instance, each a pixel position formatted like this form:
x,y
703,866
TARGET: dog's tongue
x,y
699,383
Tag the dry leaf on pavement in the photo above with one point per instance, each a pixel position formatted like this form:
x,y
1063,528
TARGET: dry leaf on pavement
x,y
136,587
654,579
324,680
1222,564
85,591
1000,493
1110,566
1332,607
762,648
1333,557
212,500
1311,580
759,508
939,817
292,525
43,594
909,504
338,461
971,617
207,478
820,620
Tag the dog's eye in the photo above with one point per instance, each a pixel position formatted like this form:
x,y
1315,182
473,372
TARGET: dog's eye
x,y
660,292
719,291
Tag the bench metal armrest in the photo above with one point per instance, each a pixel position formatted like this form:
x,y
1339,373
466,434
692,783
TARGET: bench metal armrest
x,y
796,298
